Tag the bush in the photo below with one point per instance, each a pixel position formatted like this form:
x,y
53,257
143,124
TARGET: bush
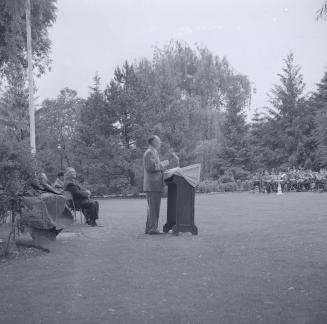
x,y
240,174
17,169
98,189
246,185
226,178
208,186
230,186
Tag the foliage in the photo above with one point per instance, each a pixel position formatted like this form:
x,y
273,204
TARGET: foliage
x,y
284,136
14,117
209,186
184,95
195,102
322,12
17,168
13,35
56,124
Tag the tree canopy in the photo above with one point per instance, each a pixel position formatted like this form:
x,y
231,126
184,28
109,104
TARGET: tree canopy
x,y
192,99
13,35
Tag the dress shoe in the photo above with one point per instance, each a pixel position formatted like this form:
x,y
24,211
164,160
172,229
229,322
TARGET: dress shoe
x,y
154,232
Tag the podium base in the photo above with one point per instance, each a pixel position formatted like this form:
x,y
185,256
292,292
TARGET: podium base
x,y
178,228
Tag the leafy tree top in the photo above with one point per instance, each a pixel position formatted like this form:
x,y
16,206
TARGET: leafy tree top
x,y
13,34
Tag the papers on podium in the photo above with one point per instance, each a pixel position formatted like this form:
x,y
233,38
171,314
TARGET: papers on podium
x,y
190,173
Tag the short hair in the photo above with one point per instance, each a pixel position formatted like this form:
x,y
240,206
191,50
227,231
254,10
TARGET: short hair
x,y
60,174
151,139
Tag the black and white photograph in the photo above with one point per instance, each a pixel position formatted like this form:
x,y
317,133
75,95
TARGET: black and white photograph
x,y
163,162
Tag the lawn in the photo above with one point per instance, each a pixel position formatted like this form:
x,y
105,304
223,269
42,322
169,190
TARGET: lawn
x,y
257,259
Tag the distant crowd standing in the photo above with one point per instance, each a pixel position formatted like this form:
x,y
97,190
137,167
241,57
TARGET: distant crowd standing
x,y
291,180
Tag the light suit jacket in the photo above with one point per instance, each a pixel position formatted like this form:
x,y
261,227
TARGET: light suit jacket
x,y
153,171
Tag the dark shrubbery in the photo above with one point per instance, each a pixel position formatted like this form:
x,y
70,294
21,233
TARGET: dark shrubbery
x,y
215,186
16,169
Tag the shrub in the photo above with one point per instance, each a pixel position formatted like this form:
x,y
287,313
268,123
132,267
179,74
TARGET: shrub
x,y
98,189
240,174
226,178
230,186
246,185
17,169
209,186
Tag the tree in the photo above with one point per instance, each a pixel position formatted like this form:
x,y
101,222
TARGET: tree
x,y
322,12
13,34
96,117
96,149
14,108
319,101
56,126
287,98
235,145
17,168
289,114
125,99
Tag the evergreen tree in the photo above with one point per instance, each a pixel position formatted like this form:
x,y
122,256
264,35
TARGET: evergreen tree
x,y
289,108
319,101
235,150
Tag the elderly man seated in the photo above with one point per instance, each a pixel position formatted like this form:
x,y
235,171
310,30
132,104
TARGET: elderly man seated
x,y
81,197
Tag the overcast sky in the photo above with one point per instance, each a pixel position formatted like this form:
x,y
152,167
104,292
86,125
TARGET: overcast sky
x,y
254,35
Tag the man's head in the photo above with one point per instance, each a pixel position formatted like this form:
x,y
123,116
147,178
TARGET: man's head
x,y
70,175
154,141
60,175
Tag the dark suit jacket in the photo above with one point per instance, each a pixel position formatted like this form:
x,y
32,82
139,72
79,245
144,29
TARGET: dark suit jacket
x,y
153,172
79,194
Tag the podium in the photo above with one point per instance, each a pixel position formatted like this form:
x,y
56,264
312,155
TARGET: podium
x,y
180,206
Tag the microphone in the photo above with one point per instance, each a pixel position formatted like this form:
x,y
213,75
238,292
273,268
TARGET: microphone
x,y
176,157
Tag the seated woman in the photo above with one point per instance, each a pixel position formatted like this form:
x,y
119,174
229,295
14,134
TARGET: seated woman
x,y
42,208
54,199
81,197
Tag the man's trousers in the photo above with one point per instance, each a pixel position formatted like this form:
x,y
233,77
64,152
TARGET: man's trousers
x,y
154,200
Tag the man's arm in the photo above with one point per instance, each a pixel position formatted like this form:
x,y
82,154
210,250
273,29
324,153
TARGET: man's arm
x,y
77,192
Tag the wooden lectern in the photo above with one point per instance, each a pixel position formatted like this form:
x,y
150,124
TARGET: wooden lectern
x,y
180,206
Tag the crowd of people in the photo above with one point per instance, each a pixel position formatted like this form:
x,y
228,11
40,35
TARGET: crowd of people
x,y
291,180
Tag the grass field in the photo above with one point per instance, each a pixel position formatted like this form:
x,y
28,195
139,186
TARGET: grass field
x,y
257,259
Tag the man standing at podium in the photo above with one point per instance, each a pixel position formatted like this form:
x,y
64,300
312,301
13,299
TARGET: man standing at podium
x,y
153,183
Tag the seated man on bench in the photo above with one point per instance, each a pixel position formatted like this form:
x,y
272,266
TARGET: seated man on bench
x,y
81,197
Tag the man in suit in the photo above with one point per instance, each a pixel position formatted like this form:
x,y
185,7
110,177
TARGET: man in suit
x,y
153,183
81,197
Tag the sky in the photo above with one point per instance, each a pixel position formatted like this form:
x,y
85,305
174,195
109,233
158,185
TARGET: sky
x,y
92,36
